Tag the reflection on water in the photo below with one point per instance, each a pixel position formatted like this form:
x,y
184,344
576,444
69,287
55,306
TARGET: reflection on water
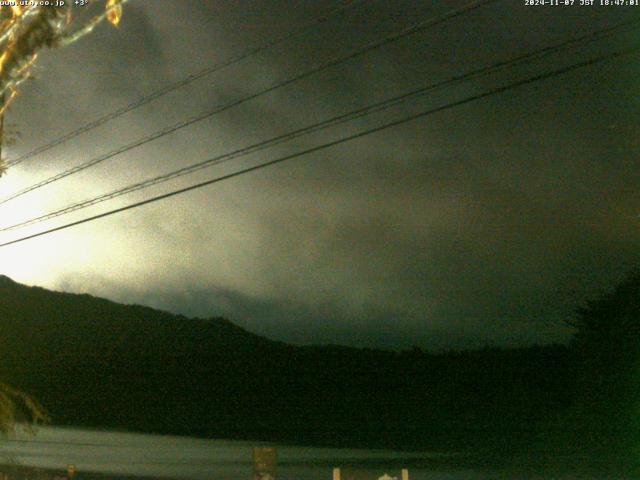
x,y
183,457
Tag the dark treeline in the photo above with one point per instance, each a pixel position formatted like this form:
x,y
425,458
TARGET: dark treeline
x,y
92,362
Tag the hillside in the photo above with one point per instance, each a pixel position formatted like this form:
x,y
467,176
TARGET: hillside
x,y
97,363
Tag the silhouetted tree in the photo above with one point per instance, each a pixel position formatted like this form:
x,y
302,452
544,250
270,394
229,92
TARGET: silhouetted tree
x,y
609,326
607,351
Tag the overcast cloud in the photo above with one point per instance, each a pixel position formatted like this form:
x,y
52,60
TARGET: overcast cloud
x,y
485,224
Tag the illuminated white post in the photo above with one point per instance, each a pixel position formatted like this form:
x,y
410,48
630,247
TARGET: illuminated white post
x,y
336,474
405,474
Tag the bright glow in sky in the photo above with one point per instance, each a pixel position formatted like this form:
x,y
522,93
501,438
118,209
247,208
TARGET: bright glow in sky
x,y
485,224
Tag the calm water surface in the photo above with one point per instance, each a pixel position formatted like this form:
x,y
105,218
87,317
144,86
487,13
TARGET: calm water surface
x,y
191,458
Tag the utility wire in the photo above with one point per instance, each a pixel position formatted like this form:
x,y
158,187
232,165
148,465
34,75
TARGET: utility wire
x,y
368,110
186,81
161,133
488,93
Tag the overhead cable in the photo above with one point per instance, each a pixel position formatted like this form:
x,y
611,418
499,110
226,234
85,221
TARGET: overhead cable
x,y
324,146
186,81
352,115
219,109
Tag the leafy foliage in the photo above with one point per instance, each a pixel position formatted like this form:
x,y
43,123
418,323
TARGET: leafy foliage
x,y
606,350
16,405
608,328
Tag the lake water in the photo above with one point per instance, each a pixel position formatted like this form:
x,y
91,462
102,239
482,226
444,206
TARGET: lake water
x,y
199,459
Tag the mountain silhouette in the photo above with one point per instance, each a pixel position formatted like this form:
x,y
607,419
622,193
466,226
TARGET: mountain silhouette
x,y
93,362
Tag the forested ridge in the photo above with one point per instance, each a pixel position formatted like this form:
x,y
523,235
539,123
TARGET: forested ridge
x,y
93,362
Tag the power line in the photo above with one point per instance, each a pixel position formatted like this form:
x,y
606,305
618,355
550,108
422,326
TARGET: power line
x,y
374,108
324,146
161,133
186,81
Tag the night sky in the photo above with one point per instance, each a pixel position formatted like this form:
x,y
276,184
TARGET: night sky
x,y
486,224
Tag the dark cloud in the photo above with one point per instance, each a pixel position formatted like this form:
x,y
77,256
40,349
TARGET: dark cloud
x,y
487,223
